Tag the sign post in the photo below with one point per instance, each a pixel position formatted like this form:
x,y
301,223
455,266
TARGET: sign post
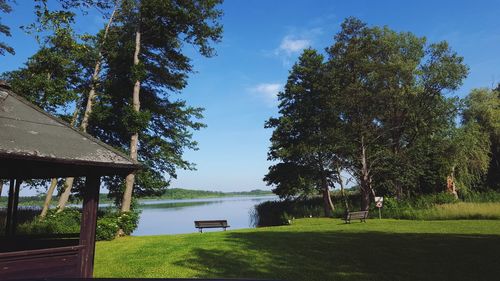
x,y
379,203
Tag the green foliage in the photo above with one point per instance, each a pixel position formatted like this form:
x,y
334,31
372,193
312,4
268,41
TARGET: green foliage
x,y
303,139
180,193
68,222
165,124
378,108
126,221
420,202
272,213
481,197
470,156
107,228
389,88
56,76
422,207
482,107
65,222
5,30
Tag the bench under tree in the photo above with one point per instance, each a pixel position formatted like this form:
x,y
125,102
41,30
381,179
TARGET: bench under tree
x,y
211,224
361,215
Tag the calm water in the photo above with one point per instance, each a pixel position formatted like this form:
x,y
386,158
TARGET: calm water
x,y
178,216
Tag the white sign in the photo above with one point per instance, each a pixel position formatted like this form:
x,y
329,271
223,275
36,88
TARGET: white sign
x,y
379,202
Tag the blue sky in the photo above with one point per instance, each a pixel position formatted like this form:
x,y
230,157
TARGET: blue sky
x,y
262,39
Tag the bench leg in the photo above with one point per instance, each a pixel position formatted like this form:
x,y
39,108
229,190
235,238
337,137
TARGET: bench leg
x,y
201,230
224,229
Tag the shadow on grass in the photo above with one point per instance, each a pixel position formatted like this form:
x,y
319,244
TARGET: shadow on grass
x,y
351,256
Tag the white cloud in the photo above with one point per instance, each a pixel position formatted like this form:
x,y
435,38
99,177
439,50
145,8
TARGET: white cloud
x,y
294,43
268,92
291,46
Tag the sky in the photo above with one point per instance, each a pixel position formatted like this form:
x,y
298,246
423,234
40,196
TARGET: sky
x,y
261,41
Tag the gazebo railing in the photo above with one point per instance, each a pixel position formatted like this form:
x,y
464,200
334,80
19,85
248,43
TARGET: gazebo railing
x,y
52,262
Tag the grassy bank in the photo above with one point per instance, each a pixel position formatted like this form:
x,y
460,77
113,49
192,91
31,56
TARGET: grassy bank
x,y
454,211
315,249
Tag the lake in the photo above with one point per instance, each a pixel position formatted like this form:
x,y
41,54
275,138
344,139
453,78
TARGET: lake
x,y
178,216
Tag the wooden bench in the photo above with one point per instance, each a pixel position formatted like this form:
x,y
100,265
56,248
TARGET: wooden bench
x,y
361,215
211,224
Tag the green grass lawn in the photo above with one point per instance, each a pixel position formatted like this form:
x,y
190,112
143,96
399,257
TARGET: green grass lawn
x,y
315,249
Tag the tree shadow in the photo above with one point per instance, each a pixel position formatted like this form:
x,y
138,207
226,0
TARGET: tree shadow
x,y
333,255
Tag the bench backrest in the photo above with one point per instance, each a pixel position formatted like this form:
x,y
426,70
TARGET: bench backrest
x,y
211,223
358,215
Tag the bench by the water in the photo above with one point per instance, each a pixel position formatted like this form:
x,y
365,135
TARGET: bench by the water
x,y
362,215
211,224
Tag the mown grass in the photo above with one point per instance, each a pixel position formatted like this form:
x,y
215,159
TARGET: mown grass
x,y
315,249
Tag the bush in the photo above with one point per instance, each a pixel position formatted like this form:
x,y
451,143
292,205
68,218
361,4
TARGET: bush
x,y
68,221
421,207
273,213
107,228
65,222
481,197
126,221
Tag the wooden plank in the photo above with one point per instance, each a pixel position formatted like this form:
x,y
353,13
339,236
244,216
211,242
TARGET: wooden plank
x,y
88,225
150,279
39,252
56,262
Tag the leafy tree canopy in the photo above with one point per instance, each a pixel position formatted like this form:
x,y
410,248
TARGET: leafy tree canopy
x,y
5,30
165,123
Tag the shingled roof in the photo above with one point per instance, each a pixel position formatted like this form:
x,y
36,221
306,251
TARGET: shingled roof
x,y
34,144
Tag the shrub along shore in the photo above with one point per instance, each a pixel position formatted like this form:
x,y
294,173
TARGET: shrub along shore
x,y
440,206
314,249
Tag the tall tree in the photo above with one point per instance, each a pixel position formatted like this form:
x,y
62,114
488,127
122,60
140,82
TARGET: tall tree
x,y
389,89
482,107
302,134
5,30
94,80
57,76
145,57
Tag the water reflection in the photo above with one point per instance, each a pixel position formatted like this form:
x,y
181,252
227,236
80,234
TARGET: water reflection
x,y
178,216
174,205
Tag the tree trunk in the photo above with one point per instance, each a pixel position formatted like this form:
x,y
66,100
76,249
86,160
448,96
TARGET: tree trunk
x,y
327,200
450,186
342,191
95,77
63,199
365,180
134,139
48,197
68,183
88,109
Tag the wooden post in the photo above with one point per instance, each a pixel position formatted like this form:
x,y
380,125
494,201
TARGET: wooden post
x,y
88,225
14,209
13,201
10,204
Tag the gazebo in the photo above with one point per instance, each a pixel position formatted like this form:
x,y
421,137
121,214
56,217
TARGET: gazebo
x,y
36,145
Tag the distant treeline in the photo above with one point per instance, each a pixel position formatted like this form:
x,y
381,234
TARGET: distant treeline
x,y
173,193
180,193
